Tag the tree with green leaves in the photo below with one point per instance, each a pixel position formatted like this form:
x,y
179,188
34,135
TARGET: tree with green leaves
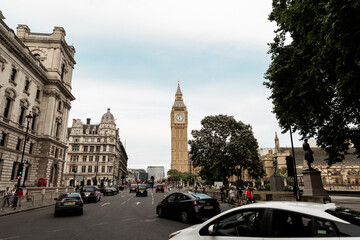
x,y
314,76
224,145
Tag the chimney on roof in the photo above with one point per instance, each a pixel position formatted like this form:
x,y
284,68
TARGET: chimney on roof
x,y
88,120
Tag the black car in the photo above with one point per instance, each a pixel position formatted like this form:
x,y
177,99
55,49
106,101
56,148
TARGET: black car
x,y
133,187
90,193
159,188
188,206
109,191
68,202
141,190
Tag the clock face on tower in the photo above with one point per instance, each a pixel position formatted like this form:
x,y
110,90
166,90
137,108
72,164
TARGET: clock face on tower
x,y
179,117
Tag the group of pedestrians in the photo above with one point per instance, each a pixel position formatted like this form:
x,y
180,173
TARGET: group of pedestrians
x,y
9,197
230,196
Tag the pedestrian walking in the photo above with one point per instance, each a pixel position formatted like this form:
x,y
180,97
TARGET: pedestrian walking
x,y
7,195
231,195
12,196
239,194
21,196
249,196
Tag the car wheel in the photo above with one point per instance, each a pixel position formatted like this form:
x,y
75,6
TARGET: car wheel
x,y
81,212
160,212
185,218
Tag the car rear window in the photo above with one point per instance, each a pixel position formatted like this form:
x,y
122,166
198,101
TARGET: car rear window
x,y
345,214
88,189
200,195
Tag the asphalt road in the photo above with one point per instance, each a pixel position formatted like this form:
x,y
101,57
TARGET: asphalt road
x,y
123,216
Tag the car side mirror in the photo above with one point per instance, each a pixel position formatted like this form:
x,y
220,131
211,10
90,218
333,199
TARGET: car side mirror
x,y
212,229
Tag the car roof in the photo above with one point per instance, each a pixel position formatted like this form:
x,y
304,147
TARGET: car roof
x,y
72,194
199,195
309,208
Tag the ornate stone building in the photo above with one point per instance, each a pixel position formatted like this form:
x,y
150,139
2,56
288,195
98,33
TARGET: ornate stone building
x,y
179,124
95,153
344,174
35,80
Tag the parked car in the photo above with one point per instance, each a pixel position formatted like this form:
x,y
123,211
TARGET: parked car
x,y
121,187
109,191
188,206
159,188
278,220
141,190
133,187
90,193
68,202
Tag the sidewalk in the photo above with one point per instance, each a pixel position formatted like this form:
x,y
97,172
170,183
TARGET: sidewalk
x,y
25,206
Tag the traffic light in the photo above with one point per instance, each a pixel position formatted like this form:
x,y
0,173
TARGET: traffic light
x,y
290,166
20,169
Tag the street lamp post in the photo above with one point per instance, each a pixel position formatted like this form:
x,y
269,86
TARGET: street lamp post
x,y
21,165
26,171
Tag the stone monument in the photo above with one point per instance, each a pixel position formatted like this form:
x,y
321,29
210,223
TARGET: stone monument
x,y
313,188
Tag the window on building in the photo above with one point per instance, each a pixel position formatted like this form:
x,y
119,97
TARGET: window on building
x,y
2,139
109,169
21,115
33,122
102,168
62,71
104,158
14,170
75,148
84,158
105,140
13,74
83,169
89,169
85,148
58,128
92,139
96,158
104,148
96,169
18,144
27,84
31,149
7,107
91,148
98,148
76,139
59,106
37,56
91,158
37,94
99,140
86,139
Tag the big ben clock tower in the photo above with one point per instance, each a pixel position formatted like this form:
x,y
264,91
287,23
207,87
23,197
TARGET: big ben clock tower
x,y
179,123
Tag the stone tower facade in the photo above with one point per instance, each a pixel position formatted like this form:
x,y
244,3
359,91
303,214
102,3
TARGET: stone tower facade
x,y
179,140
35,80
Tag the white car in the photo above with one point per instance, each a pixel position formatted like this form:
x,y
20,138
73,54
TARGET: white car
x,y
277,220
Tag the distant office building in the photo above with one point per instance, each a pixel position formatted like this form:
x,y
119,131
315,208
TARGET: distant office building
x,y
138,174
157,171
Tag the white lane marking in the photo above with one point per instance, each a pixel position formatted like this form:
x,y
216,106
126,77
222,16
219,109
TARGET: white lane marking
x,y
137,203
99,224
105,204
152,198
129,219
10,238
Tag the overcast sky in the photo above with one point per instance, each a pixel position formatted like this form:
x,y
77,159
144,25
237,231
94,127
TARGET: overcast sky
x,y
130,55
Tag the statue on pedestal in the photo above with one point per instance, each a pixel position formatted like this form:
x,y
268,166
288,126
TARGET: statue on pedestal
x,y
308,154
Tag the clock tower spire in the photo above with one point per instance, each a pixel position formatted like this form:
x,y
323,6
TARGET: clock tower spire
x,y
179,123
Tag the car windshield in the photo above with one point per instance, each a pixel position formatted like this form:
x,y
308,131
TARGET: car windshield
x,y
88,189
345,214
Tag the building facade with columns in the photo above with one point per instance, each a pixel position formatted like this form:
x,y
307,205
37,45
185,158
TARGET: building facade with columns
x,y
95,153
35,80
